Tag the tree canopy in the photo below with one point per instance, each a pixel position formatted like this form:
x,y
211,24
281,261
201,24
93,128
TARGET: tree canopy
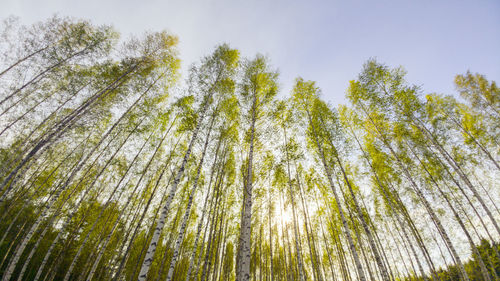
x,y
115,167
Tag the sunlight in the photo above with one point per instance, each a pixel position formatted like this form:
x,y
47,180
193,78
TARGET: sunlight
x,y
135,157
286,216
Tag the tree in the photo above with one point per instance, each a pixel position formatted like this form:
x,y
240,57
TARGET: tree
x,y
258,88
113,169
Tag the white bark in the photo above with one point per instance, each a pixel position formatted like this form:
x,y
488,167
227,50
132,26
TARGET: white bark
x,y
148,259
244,252
185,219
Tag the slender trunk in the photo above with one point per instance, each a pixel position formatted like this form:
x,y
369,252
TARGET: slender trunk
x,y
328,251
57,131
149,234
97,260
492,201
356,232
426,203
200,224
260,253
23,59
217,240
82,198
390,203
185,219
108,201
136,229
482,266
405,244
456,183
39,189
47,70
148,259
270,233
222,274
21,229
212,209
481,147
26,203
108,238
290,189
27,238
347,231
24,114
292,264
33,250
286,267
23,144
378,242
309,233
244,250
361,215
458,170
341,253
213,225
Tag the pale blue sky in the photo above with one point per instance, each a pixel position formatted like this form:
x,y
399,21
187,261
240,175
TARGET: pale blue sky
x,y
325,41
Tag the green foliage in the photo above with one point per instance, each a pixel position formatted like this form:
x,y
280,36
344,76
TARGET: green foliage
x,y
96,134
471,266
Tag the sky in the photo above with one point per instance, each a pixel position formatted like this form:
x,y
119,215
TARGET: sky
x,y
324,41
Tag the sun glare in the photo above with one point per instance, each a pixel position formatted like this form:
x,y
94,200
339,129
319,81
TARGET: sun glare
x,y
286,216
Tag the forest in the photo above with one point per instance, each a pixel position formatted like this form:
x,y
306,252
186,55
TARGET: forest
x,y
117,165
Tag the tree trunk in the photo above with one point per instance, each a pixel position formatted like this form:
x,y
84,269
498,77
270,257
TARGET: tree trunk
x,y
355,255
244,251
180,237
